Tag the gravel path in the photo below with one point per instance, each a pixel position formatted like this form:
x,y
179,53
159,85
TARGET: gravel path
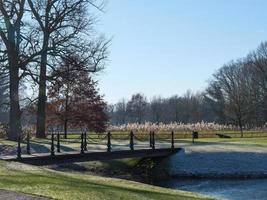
x,y
10,195
218,160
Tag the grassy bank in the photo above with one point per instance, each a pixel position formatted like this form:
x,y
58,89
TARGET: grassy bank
x,y
65,185
237,141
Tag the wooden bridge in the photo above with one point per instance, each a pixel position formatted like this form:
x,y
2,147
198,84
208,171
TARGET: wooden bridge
x,y
125,146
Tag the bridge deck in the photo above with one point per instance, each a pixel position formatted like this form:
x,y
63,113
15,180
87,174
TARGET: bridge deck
x,y
47,159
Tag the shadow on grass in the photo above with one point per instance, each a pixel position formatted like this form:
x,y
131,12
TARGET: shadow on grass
x,y
78,187
40,147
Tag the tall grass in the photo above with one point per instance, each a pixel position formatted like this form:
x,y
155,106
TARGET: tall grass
x,y
177,127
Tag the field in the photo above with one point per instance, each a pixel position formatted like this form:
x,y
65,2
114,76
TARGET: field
x,y
241,141
74,185
64,185
182,131
188,134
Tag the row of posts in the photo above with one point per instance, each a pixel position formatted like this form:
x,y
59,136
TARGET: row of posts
x,y
151,140
28,148
84,143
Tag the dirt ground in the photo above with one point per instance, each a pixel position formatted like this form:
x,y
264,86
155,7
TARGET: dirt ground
x,y
5,195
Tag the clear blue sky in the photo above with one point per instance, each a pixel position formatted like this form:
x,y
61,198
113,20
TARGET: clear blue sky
x,y
164,47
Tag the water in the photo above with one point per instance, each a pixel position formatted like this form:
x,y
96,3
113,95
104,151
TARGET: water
x,y
223,189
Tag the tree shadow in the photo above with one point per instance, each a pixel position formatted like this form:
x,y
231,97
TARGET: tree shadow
x,y
81,186
39,147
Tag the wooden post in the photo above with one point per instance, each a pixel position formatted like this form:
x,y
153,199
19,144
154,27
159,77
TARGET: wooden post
x,y
65,131
19,149
153,140
172,140
28,144
85,141
82,143
194,136
109,142
132,141
52,152
58,142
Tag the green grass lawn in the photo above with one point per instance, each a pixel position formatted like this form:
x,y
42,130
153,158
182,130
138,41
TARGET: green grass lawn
x,y
74,185
242,141
64,185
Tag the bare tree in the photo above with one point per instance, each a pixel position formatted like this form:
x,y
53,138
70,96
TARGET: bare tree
x,y
231,79
257,67
137,107
11,14
156,109
63,25
121,112
188,108
215,99
4,97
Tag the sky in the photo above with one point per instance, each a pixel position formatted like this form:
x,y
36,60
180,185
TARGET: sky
x,y
165,47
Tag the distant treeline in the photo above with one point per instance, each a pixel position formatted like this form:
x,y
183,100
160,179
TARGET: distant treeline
x,y
189,108
236,94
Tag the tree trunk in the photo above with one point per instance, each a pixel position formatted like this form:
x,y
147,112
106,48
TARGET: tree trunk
x,y
241,127
14,115
66,116
65,129
41,115
41,103
41,109
14,112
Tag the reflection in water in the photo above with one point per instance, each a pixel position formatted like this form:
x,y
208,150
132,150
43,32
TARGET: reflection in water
x,y
225,189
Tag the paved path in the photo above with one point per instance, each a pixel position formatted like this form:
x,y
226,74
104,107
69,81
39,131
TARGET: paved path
x,y
10,195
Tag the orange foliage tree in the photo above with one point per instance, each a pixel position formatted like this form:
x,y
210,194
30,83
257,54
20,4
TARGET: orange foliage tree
x,y
74,100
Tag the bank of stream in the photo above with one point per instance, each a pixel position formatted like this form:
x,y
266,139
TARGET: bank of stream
x,y
225,171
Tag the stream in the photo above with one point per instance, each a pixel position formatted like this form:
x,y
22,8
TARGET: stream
x,y
223,189
219,168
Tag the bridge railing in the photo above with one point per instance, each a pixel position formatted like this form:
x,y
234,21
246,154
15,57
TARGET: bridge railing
x,y
87,141
82,141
